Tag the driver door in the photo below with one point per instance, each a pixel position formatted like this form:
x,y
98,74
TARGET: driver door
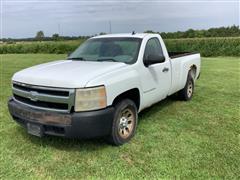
x,y
156,77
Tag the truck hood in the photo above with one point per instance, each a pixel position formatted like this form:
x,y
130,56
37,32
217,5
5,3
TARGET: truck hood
x,y
65,73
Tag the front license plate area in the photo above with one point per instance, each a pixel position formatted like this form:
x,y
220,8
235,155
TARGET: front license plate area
x,y
34,129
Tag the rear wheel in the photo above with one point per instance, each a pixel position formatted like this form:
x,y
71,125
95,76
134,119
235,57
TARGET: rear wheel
x,y
187,92
124,123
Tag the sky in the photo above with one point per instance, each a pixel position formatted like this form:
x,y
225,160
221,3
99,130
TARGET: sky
x,y
23,18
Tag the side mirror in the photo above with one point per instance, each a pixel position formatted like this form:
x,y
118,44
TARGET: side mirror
x,y
153,59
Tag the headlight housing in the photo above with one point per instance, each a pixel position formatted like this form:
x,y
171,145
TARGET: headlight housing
x,y
87,99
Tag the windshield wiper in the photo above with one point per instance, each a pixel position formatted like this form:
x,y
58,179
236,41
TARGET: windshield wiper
x,y
77,58
107,59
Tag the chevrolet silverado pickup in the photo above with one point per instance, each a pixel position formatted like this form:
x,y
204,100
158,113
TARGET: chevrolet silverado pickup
x,y
101,87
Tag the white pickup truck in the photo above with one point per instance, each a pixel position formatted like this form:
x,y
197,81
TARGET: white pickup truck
x,y
102,86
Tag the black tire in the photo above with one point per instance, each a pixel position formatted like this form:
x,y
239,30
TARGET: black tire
x,y
125,109
185,93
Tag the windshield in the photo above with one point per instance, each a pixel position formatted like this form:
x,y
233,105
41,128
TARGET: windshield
x,y
108,49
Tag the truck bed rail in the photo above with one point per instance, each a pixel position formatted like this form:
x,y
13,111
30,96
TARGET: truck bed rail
x,y
173,55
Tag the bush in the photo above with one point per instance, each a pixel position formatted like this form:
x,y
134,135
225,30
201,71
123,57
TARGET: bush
x,y
40,47
206,46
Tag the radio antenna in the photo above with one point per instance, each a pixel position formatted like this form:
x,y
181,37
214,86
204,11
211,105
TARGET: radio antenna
x,y
110,27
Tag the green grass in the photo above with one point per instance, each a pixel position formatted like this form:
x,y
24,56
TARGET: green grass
x,y
175,139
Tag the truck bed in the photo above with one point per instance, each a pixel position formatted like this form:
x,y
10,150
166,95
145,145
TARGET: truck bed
x,y
173,55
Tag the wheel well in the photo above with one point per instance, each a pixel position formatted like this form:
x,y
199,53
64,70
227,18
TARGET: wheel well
x,y
193,70
132,94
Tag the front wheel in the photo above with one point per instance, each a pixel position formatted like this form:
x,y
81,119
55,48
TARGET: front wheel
x,y
124,122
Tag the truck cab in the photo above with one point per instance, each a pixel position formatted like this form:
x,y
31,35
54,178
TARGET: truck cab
x,y
101,87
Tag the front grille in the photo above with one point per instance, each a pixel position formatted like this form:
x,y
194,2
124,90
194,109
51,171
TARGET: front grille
x,y
55,99
41,103
43,91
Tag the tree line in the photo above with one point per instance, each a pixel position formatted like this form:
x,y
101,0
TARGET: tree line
x,y
231,31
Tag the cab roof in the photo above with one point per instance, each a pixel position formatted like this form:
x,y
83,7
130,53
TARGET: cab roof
x,y
136,35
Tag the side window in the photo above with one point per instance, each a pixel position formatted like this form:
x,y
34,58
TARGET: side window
x,y
153,47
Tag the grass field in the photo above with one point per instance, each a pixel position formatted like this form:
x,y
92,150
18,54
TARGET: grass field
x,y
196,139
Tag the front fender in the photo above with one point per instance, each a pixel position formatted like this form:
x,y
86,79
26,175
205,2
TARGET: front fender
x,y
117,82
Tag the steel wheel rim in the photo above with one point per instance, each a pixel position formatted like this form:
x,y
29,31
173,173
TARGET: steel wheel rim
x,y
126,123
190,89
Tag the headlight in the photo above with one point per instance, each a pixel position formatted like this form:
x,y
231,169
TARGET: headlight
x,y
87,99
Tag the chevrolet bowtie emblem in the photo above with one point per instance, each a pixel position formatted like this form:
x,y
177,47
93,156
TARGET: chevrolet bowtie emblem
x,y
33,96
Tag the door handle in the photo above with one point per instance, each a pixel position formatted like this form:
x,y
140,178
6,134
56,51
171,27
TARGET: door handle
x,y
165,69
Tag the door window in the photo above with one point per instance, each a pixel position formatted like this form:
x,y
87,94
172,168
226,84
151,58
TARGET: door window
x,y
153,47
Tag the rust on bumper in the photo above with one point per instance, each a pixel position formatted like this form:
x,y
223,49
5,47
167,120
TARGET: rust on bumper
x,y
41,116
